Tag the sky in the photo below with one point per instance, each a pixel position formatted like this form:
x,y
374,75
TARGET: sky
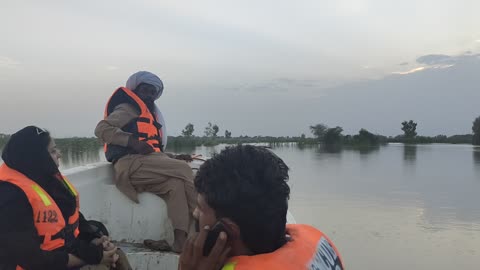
x,y
252,67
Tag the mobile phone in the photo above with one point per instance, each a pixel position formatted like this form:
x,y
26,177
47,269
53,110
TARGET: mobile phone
x,y
212,236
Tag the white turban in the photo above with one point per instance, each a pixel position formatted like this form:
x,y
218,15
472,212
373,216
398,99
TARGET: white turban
x,y
145,77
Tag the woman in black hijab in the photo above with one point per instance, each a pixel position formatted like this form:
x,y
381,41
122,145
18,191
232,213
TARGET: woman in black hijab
x,y
32,152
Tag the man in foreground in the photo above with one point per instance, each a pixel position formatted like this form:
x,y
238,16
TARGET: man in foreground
x,y
241,209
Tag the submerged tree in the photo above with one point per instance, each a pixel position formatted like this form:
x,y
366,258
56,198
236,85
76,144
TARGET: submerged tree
x,y
188,130
211,130
215,130
366,137
410,129
333,135
327,135
319,131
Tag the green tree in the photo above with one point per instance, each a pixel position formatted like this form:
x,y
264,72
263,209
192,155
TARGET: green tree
x,y
409,129
333,135
211,130
215,130
476,131
366,137
188,130
228,134
319,131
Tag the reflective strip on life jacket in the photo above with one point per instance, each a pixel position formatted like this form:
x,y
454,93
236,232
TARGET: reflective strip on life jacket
x,y
42,194
73,220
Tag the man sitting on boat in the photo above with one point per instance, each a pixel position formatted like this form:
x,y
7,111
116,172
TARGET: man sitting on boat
x,y
242,208
134,134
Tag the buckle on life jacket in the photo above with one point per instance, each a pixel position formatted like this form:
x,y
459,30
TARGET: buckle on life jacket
x,y
142,135
143,120
157,125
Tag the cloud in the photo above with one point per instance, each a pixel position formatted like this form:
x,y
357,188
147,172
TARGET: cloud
x,y
435,59
403,64
6,62
409,71
441,59
112,68
280,85
418,69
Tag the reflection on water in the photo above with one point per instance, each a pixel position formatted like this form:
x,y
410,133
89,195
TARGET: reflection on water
x,y
331,149
302,146
322,152
409,153
336,151
187,149
365,151
382,214
476,155
476,160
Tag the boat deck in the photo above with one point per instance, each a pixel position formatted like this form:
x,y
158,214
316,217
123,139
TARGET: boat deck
x,y
142,258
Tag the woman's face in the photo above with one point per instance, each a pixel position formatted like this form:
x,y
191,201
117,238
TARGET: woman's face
x,y
54,152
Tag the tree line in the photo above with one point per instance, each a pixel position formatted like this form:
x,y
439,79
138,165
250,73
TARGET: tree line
x,y
334,135
321,134
327,135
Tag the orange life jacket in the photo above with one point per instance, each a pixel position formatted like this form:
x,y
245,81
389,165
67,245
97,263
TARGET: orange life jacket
x,y
47,217
145,127
308,249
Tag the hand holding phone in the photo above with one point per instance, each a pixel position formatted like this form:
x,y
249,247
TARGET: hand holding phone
x,y
207,250
212,236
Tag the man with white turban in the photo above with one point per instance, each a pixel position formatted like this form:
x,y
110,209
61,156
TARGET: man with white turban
x,y
135,137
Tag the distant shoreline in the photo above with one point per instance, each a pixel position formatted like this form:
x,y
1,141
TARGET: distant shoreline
x,y
182,141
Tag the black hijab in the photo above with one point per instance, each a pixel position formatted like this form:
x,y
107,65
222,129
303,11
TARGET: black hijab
x,y
27,152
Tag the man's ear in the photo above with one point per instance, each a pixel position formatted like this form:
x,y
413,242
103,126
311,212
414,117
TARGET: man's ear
x,y
231,228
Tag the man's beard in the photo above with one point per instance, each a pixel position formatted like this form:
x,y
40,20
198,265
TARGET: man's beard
x,y
150,105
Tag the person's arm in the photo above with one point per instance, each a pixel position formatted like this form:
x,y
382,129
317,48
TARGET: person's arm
x,y
83,247
87,234
110,130
86,251
74,261
19,241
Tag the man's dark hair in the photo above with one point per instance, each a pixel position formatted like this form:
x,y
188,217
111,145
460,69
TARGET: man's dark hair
x,y
248,184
